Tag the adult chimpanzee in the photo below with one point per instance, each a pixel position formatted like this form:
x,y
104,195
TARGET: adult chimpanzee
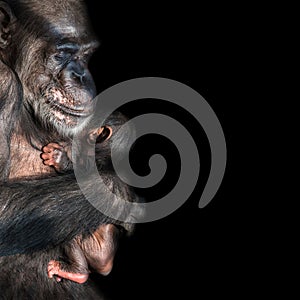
x,y
46,96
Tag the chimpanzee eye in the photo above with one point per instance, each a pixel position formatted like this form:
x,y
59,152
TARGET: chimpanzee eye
x,y
64,52
63,56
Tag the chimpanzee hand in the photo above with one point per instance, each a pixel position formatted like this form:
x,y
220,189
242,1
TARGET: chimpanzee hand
x,y
57,156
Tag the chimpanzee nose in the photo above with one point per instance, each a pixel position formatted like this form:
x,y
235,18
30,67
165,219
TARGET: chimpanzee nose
x,y
78,72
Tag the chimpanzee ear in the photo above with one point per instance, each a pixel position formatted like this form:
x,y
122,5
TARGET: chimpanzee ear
x,y
7,19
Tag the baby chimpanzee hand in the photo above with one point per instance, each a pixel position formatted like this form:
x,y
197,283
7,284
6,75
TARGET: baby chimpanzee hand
x,y
56,155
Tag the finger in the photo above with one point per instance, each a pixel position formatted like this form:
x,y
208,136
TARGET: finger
x,y
50,147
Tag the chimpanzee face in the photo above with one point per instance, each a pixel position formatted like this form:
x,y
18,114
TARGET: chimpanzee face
x,y
67,96
58,87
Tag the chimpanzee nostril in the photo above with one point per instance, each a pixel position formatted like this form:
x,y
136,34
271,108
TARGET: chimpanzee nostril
x,y
77,70
78,75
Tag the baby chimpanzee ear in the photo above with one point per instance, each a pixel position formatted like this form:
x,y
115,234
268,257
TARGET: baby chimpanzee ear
x,y
7,18
100,135
105,134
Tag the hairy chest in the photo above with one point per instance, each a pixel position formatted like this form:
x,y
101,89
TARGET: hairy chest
x,y
25,160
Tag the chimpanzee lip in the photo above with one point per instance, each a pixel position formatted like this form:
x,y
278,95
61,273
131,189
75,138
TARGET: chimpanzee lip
x,y
79,112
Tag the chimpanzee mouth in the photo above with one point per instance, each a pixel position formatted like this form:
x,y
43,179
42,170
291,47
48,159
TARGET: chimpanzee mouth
x,y
64,105
78,112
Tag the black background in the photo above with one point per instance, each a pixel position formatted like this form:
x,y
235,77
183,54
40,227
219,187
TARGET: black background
x,y
192,251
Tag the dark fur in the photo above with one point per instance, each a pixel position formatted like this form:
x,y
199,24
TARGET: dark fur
x,y
24,277
61,215
41,212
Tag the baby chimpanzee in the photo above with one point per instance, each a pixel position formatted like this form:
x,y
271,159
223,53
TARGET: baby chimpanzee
x,y
96,251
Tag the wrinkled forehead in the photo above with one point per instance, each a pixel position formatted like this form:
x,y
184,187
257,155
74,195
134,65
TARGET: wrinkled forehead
x,y
66,27
64,19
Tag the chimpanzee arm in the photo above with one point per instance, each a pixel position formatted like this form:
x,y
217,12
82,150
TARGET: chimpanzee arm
x,y
45,213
